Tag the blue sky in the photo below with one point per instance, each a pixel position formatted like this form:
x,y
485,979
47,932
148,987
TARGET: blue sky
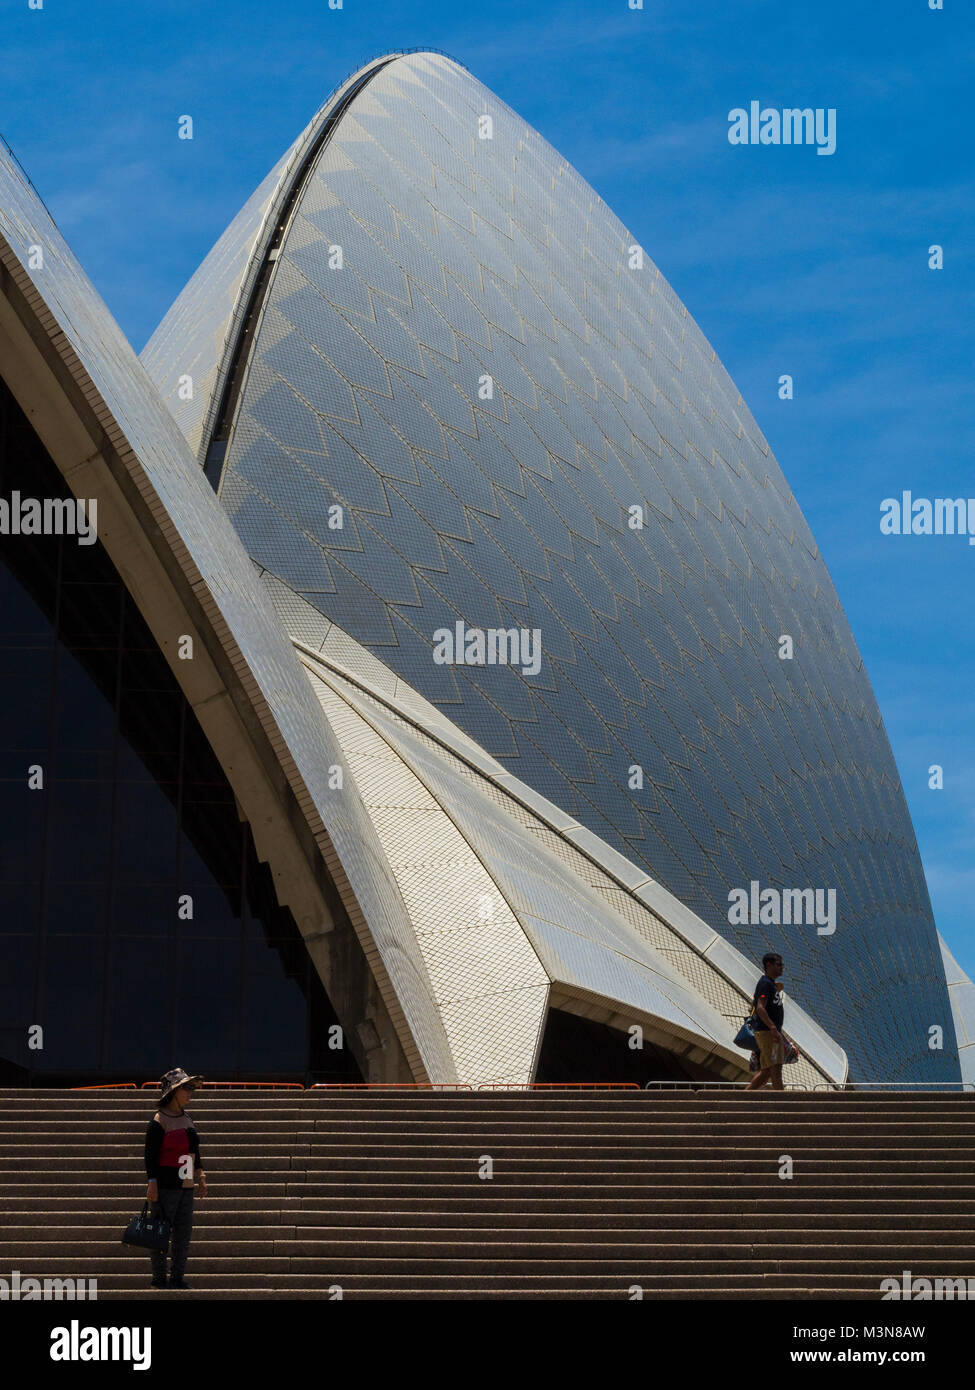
x,y
789,261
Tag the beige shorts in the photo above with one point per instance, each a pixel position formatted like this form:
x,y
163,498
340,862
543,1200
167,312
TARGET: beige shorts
x,y
770,1053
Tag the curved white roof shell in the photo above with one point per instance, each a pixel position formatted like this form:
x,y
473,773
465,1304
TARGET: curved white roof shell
x,y
404,265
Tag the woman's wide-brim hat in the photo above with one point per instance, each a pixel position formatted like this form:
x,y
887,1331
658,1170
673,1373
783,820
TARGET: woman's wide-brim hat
x,y
174,1079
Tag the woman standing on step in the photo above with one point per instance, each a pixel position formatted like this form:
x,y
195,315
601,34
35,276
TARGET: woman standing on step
x,y
172,1163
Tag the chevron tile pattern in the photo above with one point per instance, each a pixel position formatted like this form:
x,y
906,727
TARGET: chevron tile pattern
x,y
464,259
593,939
488,984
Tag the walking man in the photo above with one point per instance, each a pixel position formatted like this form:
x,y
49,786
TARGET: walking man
x,y
172,1166
769,1011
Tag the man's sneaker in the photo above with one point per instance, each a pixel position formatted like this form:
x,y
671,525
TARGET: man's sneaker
x,y
178,1284
159,1284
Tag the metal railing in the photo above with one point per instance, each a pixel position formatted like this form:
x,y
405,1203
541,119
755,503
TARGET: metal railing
x,y
390,1086
894,1086
378,1086
712,1086
847,1087
862,1087
559,1086
238,1085
210,1085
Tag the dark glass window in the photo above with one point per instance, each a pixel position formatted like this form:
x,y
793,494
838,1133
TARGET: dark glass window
x,y
134,813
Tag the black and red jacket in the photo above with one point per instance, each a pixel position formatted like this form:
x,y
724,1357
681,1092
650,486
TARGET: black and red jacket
x,y
169,1140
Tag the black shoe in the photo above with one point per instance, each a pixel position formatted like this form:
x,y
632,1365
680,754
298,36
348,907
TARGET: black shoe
x,y
159,1284
178,1284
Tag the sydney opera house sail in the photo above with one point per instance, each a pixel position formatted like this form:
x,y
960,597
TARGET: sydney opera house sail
x,y
455,693
456,343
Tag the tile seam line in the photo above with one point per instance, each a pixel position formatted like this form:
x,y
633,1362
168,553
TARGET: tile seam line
x,y
255,288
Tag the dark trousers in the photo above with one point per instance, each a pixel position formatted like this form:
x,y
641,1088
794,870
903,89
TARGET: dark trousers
x,y
177,1205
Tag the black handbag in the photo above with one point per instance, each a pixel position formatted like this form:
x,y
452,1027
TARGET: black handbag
x,y
149,1231
745,1037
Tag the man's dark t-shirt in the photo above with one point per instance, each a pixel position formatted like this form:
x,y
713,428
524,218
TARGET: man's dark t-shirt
x,y
766,992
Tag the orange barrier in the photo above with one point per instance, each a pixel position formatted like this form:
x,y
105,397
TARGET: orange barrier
x,y
108,1086
239,1085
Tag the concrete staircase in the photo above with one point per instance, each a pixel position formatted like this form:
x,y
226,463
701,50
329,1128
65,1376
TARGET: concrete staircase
x,y
378,1192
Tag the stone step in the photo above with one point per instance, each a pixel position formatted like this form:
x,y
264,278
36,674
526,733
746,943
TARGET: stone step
x,y
378,1193
537,1241
382,1284
513,1189
807,1211
126,1132
401,1158
612,1262
225,1224
514,1291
